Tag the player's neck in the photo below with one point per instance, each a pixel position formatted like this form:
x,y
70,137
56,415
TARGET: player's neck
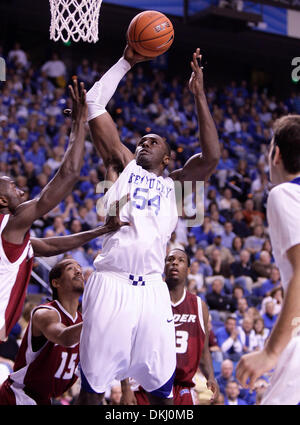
x,y
285,177
70,305
176,293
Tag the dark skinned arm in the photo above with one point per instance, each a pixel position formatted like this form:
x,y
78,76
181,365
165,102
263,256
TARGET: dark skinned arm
x,y
46,247
206,361
200,166
62,183
46,322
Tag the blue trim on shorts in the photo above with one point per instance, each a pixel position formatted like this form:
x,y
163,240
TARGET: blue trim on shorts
x,y
166,389
85,386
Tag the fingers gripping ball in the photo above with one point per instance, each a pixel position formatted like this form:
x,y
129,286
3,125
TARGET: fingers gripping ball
x,y
150,33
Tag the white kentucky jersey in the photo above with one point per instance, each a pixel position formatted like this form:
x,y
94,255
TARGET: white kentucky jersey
x,y
283,213
152,213
15,268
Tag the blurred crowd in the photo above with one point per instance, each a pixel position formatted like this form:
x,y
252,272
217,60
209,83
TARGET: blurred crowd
x,y
232,267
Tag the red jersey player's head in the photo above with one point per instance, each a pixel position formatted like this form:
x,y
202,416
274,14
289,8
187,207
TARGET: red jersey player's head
x,y
10,195
153,153
177,265
66,279
284,153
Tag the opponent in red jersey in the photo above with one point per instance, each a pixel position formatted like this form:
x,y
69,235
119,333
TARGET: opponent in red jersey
x,y
190,318
49,353
17,217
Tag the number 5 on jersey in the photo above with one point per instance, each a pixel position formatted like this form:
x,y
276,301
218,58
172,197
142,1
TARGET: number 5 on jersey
x,y
140,201
70,368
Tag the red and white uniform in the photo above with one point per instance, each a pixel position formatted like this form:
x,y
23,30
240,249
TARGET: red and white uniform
x,y
48,372
15,268
190,337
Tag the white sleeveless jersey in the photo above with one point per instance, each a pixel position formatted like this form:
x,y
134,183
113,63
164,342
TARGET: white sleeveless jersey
x,y
141,247
15,269
283,213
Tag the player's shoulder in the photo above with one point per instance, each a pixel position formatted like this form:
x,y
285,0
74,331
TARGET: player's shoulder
x,y
284,192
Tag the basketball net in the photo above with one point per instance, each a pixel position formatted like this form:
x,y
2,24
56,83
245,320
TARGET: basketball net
x,y
76,19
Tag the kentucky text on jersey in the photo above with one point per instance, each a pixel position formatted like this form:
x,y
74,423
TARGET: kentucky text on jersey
x,y
150,183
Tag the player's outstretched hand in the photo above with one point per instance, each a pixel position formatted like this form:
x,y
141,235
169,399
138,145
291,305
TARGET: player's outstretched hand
x,y
196,80
79,109
252,366
113,221
133,57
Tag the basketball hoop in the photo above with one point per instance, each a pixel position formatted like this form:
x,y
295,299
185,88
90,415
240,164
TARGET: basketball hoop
x,y
76,19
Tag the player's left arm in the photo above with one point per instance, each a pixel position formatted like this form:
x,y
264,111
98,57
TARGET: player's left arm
x,y
253,365
206,360
200,166
46,247
46,322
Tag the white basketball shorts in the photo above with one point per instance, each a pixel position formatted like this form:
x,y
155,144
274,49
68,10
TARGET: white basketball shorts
x,y
128,330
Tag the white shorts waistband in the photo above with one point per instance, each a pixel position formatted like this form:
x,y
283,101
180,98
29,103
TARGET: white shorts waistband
x,y
134,279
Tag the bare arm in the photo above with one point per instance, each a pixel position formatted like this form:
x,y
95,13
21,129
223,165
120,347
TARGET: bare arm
x,y
62,183
103,130
46,322
200,166
206,360
46,247
255,364
128,397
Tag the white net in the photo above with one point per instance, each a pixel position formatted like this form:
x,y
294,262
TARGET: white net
x,y
76,19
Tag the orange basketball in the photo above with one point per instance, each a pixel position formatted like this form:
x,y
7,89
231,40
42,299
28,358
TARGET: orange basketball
x,y
150,33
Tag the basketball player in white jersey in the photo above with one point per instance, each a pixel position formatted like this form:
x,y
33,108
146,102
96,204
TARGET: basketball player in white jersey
x,y
282,349
17,216
128,328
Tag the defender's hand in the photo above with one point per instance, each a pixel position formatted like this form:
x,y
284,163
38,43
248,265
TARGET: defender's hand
x,y
196,80
113,221
79,109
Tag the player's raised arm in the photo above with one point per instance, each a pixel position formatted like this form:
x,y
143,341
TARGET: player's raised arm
x,y
103,130
200,166
62,183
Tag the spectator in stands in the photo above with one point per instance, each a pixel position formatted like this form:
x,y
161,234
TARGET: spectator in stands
x,y
232,392
242,308
55,70
268,310
249,212
243,272
191,247
240,227
229,340
195,275
270,284
220,305
260,334
226,375
255,242
247,334
262,266
173,243
18,56
228,235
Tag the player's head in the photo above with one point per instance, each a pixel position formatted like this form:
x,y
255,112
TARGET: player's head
x,y
10,195
177,265
152,152
66,278
284,154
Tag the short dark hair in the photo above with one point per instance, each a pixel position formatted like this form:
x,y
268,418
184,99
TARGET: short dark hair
x,y
55,273
182,250
287,138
